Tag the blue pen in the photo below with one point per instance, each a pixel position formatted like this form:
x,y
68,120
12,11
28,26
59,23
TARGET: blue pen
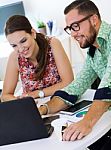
x,y
50,26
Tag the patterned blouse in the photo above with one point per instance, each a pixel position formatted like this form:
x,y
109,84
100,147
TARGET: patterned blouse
x,y
27,71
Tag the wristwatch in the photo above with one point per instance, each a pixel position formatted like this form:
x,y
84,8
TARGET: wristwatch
x,y
41,94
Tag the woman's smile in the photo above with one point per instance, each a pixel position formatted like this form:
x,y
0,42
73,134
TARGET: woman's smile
x,y
25,51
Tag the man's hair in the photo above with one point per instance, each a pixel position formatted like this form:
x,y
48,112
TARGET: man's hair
x,y
85,7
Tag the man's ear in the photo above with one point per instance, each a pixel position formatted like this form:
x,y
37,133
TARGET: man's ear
x,y
94,20
33,33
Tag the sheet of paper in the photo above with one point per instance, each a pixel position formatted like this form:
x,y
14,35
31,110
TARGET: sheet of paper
x,y
1,84
76,117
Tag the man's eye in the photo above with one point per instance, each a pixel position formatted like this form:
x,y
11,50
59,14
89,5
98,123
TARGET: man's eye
x,y
75,25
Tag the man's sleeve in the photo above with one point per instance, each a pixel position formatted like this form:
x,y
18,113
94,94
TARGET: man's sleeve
x,y
104,90
76,88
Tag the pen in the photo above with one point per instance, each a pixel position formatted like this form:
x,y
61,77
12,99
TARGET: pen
x,y
64,127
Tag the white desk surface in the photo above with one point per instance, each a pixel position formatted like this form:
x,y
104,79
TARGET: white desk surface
x,y
102,126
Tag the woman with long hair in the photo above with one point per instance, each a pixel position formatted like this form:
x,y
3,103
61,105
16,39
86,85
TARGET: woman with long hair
x,y
40,61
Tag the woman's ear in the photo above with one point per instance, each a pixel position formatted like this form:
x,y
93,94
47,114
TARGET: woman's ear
x,y
33,33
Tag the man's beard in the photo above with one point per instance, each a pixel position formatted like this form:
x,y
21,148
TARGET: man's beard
x,y
91,39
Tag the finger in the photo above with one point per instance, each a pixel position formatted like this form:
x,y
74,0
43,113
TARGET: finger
x,y
20,96
75,135
26,95
67,133
80,136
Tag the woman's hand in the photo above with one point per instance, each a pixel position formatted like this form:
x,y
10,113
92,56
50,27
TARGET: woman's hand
x,y
29,94
33,94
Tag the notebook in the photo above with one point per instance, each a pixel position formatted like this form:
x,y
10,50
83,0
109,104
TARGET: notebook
x,y
20,121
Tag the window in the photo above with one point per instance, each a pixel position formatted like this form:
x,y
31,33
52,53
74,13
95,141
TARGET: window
x,y
8,10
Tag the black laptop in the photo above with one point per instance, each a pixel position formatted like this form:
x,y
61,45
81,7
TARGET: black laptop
x,y
20,121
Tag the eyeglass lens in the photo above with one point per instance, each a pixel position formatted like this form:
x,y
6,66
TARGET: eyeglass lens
x,y
75,26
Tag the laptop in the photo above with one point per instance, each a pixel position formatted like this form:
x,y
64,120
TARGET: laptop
x,y
21,121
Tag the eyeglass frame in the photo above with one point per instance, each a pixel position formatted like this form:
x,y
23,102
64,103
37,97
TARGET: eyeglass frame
x,y
77,23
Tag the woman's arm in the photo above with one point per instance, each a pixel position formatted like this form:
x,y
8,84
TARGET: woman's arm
x,y
11,78
64,70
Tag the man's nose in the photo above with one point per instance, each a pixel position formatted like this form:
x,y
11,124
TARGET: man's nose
x,y
74,33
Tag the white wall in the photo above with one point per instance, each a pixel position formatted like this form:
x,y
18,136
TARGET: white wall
x,y
53,9
104,8
50,9
47,9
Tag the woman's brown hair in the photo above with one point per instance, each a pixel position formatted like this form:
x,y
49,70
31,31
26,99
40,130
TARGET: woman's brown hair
x,y
18,23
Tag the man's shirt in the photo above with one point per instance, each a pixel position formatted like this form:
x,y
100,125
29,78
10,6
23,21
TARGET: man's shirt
x,y
97,66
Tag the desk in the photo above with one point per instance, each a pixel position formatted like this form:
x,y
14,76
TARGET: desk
x,y
101,127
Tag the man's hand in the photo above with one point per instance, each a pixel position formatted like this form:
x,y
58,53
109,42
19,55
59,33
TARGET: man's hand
x,y
77,131
54,105
82,128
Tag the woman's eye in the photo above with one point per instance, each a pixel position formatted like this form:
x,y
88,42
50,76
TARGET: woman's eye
x,y
23,40
13,46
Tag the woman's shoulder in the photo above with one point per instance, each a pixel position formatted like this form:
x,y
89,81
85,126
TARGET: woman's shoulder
x,y
54,40
13,59
13,55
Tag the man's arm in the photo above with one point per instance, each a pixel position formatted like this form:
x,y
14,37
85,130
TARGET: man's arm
x,y
84,127
101,103
53,106
96,111
83,81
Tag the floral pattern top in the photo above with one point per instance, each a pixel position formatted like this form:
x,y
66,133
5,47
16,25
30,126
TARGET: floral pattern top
x,y
97,66
27,71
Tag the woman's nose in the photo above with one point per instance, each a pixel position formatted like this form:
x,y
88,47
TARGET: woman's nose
x,y
20,48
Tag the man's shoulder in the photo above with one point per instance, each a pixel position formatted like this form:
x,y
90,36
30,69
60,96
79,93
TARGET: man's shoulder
x,y
104,30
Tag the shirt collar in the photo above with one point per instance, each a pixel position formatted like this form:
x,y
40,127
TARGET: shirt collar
x,y
103,36
104,31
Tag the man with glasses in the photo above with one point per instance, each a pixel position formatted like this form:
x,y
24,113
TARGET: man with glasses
x,y
85,25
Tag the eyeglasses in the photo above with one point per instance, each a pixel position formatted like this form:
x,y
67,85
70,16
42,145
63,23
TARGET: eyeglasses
x,y
75,26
